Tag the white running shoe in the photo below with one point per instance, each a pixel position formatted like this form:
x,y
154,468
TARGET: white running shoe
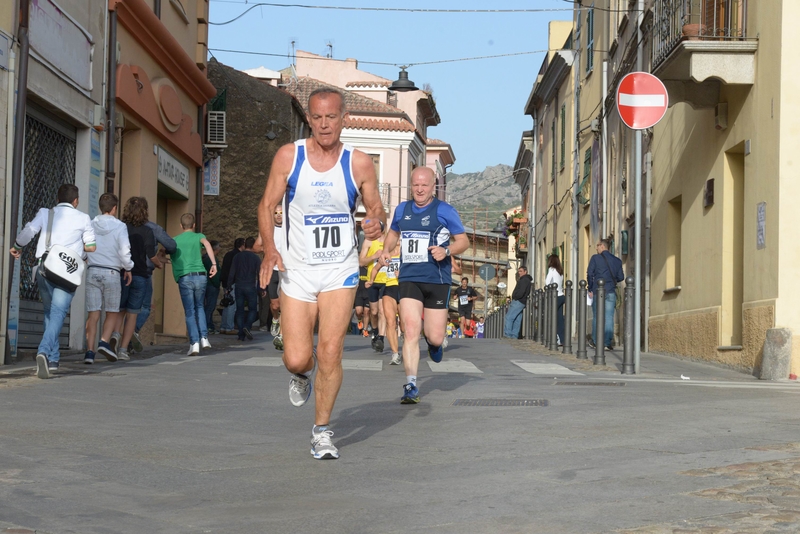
x,y
277,342
321,446
204,344
276,327
194,349
300,386
123,355
396,359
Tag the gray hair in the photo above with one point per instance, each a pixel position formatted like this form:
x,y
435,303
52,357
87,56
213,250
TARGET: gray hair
x,y
326,91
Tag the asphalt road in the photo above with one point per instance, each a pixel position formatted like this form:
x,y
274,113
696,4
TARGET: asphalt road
x,y
172,444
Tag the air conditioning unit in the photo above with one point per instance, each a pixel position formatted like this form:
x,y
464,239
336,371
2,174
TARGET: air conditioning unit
x,y
215,129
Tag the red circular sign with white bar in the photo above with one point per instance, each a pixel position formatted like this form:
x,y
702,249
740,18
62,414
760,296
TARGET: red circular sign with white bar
x,y
642,100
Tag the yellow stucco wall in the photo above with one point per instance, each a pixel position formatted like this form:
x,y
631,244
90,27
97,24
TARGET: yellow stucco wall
x,y
717,293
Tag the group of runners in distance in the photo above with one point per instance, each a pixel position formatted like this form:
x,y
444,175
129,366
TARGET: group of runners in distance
x,y
309,238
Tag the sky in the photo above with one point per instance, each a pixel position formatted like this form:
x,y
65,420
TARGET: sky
x,y
480,102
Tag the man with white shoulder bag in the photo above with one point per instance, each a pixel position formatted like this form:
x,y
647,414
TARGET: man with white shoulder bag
x,y
65,234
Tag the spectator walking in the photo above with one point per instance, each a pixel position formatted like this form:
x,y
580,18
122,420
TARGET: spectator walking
x,y
188,270
212,287
103,285
555,275
519,298
66,226
229,312
243,276
604,266
162,238
143,246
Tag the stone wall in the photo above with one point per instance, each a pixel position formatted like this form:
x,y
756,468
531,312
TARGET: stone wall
x,y
695,334
254,109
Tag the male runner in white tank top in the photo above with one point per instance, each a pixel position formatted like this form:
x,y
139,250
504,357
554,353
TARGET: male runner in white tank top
x,y
320,180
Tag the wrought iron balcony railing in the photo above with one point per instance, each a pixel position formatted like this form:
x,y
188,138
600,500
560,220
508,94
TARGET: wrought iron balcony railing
x,y
678,20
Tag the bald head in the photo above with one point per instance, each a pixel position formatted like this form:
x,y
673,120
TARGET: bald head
x,y
423,182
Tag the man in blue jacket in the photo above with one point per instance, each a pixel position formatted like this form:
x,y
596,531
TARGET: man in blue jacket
x,y
604,266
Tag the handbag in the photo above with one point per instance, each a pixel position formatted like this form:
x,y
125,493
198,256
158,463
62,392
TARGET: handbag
x,y
61,265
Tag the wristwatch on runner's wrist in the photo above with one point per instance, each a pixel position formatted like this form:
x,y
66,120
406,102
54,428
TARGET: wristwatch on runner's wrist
x,y
447,251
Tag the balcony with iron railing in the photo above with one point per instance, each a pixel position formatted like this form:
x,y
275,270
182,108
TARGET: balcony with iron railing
x,y
700,44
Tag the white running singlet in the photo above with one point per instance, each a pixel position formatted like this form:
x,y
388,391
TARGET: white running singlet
x,y
319,214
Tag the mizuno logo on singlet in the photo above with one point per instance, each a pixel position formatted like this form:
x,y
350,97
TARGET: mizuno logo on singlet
x,y
333,218
415,235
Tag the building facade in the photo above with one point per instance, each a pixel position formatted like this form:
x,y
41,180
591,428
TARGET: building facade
x,y
716,173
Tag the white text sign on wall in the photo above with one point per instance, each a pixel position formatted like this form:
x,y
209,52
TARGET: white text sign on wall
x,y
173,173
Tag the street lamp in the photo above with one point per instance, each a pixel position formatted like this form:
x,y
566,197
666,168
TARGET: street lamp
x,y
403,84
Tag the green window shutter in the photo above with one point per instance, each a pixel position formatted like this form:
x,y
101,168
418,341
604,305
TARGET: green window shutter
x,y
585,189
589,40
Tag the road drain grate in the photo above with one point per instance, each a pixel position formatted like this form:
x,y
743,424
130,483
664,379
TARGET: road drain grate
x,y
590,383
501,402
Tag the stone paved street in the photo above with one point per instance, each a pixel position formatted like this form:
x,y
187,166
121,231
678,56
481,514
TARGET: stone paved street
x,y
171,444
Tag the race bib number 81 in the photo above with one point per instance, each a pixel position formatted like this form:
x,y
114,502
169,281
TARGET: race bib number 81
x,y
328,237
414,246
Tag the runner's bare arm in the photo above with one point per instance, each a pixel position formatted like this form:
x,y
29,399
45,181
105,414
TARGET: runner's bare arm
x,y
388,245
364,175
273,193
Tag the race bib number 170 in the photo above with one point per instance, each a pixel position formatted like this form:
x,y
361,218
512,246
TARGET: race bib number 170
x,y
328,237
414,246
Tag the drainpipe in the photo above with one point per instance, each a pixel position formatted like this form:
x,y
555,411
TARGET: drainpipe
x,y
19,140
198,208
576,66
7,228
532,196
112,101
604,139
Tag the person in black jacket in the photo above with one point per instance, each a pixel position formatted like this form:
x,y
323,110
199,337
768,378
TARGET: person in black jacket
x,y
604,266
518,300
244,275
228,313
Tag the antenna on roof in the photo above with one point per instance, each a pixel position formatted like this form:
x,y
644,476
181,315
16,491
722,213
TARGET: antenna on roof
x,y
294,57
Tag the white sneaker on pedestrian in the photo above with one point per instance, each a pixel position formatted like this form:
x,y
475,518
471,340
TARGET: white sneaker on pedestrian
x,y
204,343
194,349
114,341
300,386
321,446
123,355
136,342
42,367
396,359
276,327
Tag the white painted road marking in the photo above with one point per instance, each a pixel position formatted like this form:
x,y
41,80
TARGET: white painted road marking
x,y
642,101
545,368
362,365
183,360
261,362
453,365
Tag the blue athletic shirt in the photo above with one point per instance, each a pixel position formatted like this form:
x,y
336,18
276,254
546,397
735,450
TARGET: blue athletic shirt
x,y
417,232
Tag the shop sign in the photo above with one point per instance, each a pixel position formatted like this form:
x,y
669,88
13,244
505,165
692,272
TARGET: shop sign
x,y
61,42
173,173
211,177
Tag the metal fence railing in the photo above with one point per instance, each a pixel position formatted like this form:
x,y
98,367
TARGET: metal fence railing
x,y
677,20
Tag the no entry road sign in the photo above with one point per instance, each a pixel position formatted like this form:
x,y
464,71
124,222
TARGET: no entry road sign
x,y
641,100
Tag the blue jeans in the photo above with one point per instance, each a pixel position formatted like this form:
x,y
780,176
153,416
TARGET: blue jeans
x,y
193,290
56,306
611,304
249,294
229,313
132,298
148,300
212,293
513,319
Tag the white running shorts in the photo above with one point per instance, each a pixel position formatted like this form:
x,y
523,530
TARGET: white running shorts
x,y
306,285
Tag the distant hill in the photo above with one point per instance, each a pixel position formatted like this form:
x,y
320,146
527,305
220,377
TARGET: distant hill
x,y
493,188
